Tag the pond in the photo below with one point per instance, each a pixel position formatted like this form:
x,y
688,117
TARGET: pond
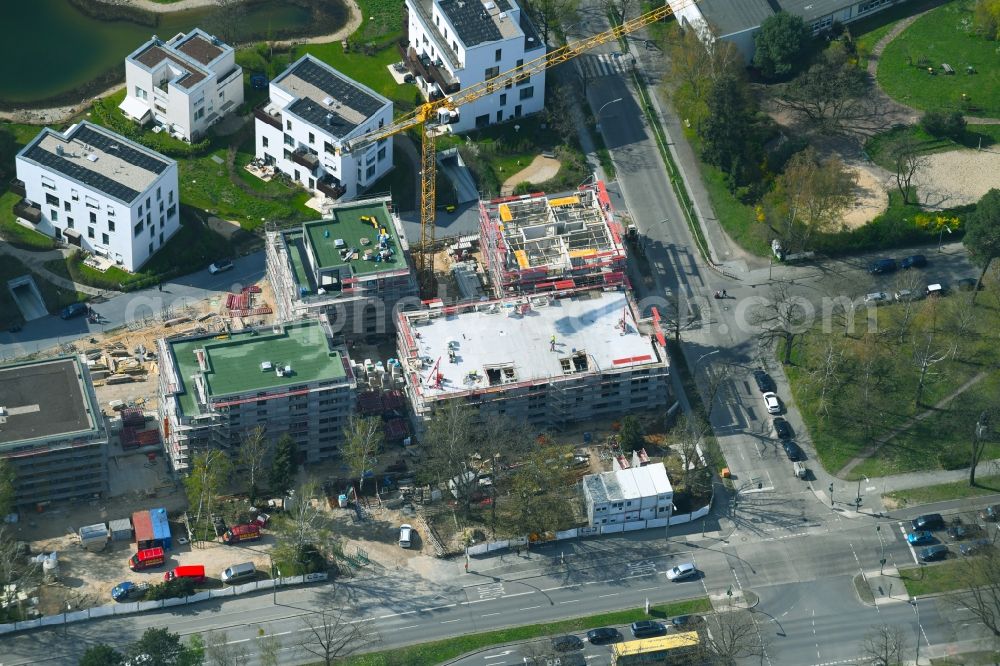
x,y
51,49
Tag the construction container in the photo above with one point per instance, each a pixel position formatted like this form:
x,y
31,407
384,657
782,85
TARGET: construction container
x,y
94,537
121,529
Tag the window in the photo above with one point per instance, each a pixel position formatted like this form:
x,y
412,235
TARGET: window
x,y
66,206
503,99
151,229
170,196
528,93
48,183
199,114
328,147
163,222
93,217
138,228
499,116
289,140
454,46
90,232
497,55
158,193
161,238
139,209
150,248
140,93
483,120
312,138
297,177
105,239
69,222
381,153
491,72
369,172
161,207
51,199
111,225
75,195
171,211
288,124
54,214
264,142
91,202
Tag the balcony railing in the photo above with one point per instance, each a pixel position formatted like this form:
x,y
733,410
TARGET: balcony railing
x,y
17,187
305,158
431,72
25,210
267,118
331,188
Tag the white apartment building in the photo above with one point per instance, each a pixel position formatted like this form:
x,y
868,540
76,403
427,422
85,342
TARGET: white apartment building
x,y
185,85
97,190
453,44
633,495
312,112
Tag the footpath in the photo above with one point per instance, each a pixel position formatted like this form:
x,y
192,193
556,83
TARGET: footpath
x,y
36,262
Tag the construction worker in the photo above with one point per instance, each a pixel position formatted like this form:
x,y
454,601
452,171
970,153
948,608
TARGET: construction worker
x,y
552,343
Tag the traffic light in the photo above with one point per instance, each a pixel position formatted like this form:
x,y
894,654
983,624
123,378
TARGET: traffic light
x,y
831,488
760,485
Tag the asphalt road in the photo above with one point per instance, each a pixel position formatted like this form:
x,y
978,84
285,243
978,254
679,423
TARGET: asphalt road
x,y
134,306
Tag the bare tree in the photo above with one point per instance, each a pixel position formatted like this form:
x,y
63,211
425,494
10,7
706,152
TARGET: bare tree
x,y
268,648
7,479
17,571
449,446
687,435
826,379
227,18
619,9
363,439
254,449
907,160
979,579
979,440
831,94
548,15
220,652
331,633
908,285
210,472
538,499
735,636
884,645
782,317
304,525
926,356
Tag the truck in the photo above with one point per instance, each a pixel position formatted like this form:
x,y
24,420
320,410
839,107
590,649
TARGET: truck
x,y
146,559
195,572
241,533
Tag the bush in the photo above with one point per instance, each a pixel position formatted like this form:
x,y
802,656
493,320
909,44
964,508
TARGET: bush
x,y
944,125
171,589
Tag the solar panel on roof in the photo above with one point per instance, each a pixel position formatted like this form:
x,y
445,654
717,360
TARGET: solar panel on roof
x,y
86,176
344,92
114,146
312,112
473,25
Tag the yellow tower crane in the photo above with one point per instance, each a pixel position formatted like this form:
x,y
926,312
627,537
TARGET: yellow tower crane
x,y
430,116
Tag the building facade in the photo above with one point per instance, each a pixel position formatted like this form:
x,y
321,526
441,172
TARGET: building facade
x,y
184,85
631,495
313,110
291,379
52,432
533,243
353,268
453,44
97,190
548,359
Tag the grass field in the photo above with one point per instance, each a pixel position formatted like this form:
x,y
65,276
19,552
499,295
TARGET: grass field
x,y
985,485
438,652
14,233
935,578
54,297
976,136
944,35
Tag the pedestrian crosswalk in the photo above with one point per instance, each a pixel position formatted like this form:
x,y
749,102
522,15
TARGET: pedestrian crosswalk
x,y
592,66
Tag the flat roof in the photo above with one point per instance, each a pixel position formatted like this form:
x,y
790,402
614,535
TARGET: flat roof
x,y
44,399
362,236
98,158
632,483
326,98
810,10
155,52
196,45
234,363
510,341
726,17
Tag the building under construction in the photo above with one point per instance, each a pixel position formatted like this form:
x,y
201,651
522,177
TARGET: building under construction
x,y
352,267
550,359
290,379
534,243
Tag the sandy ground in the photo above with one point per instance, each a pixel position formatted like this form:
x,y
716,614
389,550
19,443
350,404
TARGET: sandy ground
x,y
871,198
225,228
540,170
957,177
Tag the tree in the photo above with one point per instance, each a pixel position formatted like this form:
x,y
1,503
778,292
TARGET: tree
x,y
538,498
980,437
449,447
693,68
926,356
303,526
734,637
982,236
254,449
782,317
727,131
907,161
285,464
210,472
619,9
102,654
548,15
363,438
809,198
832,94
979,579
630,435
986,19
501,439
779,46
226,19
950,125
7,486
826,379
159,647
884,645
17,571
221,652
268,648
331,634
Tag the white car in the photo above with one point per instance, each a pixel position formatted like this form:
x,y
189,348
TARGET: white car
x,y
876,298
771,402
405,535
220,267
682,571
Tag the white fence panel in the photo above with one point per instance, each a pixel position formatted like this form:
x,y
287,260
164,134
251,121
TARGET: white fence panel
x,y
78,616
50,620
634,525
702,512
479,549
102,611
497,545
519,541
588,531
176,601
656,522
224,592
566,534
31,624
313,577
7,628
205,595
680,519
612,529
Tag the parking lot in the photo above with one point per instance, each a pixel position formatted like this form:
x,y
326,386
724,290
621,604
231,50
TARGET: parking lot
x,y
967,533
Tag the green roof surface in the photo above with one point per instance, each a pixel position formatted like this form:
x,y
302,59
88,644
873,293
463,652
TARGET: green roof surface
x,y
347,225
234,363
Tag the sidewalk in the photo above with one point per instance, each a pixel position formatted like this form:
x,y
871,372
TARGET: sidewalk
x,y
36,262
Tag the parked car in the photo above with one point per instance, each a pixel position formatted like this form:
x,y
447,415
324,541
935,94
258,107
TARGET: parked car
x,y
877,297
961,532
405,535
772,403
968,284
567,643
647,629
73,310
764,381
936,289
919,538
906,295
686,621
934,553
913,261
128,590
781,428
928,521
220,266
603,635
882,266
792,450
682,571
974,547
990,513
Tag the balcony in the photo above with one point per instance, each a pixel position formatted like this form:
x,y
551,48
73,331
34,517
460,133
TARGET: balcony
x,y
421,65
331,187
303,157
28,211
272,119
17,187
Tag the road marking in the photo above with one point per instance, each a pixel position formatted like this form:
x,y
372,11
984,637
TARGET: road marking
x,y
529,608
409,626
382,617
517,594
427,610
450,621
571,601
613,594
490,614
655,587
497,656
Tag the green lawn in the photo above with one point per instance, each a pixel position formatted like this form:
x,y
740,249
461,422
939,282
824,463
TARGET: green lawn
x,y
14,233
54,297
943,36
934,578
868,31
985,485
976,136
439,652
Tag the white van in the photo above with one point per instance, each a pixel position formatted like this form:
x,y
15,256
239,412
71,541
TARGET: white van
x,y
799,470
239,573
405,533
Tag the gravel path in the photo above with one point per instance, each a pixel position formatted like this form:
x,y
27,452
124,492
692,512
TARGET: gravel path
x,y
540,170
957,177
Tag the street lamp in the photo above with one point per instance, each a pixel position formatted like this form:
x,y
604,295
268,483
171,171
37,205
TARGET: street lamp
x,y
604,106
700,358
941,235
858,500
916,609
